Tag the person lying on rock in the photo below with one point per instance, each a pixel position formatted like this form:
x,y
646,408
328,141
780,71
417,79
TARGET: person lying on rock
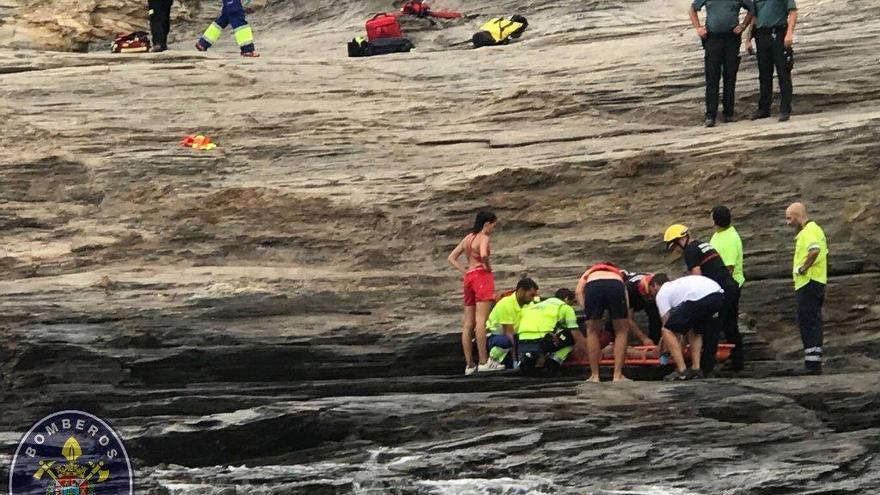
x,y
688,305
601,288
503,324
548,332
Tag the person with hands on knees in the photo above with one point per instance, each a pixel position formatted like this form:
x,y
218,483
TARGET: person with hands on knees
x,y
689,305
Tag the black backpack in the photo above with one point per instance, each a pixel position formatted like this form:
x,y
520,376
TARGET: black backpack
x,y
359,47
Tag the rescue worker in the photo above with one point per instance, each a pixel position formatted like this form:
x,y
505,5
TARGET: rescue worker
x,y
727,242
688,305
478,287
548,332
637,287
504,322
810,272
601,288
722,37
700,258
160,23
773,30
232,12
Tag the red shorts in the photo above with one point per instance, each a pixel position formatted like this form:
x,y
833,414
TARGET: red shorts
x,y
479,286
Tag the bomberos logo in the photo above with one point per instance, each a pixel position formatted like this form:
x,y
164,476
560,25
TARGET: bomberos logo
x,y
71,453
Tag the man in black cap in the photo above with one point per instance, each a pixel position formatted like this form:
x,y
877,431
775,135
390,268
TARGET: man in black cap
x,y
160,23
722,37
774,34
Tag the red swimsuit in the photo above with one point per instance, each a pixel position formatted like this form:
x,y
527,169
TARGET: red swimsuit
x,y
478,283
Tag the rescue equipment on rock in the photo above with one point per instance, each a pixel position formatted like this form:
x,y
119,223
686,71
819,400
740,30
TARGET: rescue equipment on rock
x,y
382,26
500,31
359,47
136,42
197,142
418,8
642,355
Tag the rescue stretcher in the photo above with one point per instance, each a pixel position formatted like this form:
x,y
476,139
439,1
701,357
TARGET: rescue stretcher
x,y
643,356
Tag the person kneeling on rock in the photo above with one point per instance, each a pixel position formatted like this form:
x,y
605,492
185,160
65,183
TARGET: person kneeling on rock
x,y
691,305
503,324
548,332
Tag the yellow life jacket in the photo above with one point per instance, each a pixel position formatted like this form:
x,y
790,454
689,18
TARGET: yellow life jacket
x,y
501,29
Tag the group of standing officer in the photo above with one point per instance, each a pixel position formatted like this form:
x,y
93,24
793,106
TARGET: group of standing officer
x,y
771,23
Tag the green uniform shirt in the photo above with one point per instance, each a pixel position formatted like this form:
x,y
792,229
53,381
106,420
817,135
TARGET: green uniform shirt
x,y
542,318
723,15
505,312
810,237
773,13
730,247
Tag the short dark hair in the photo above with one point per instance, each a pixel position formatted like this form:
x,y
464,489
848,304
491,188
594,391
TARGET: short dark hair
x,y
659,279
721,216
564,294
526,284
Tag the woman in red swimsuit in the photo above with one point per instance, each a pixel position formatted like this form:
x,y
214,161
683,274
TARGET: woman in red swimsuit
x,y
479,287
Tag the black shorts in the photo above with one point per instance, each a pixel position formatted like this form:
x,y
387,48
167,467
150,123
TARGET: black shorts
x,y
605,294
701,316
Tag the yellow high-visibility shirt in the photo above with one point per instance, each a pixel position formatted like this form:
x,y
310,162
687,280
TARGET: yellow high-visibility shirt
x,y
810,237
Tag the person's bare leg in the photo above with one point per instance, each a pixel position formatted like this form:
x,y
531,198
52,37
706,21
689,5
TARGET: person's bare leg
x,y
593,350
467,335
482,314
696,341
580,342
621,334
674,347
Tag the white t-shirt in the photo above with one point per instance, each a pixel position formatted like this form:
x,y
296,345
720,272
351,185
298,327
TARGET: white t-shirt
x,y
689,288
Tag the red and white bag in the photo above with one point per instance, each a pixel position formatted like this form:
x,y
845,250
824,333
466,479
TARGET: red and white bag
x,y
136,42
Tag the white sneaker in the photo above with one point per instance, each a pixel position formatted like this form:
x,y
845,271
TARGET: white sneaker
x,y
491,365
469,370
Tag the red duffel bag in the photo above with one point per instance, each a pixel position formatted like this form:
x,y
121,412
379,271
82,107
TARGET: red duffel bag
x,y
382,26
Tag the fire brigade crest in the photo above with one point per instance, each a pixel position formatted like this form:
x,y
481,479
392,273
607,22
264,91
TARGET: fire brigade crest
x,y
71,453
